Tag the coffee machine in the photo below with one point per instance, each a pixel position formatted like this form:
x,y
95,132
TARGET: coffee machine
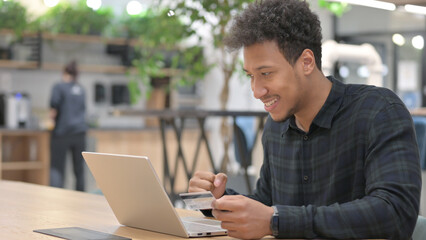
x,y
15,110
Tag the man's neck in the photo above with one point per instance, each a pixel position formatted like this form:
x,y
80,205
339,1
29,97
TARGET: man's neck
x,y
316,95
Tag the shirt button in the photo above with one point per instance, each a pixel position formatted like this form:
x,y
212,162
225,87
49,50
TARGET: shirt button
x,y
305,137
306,178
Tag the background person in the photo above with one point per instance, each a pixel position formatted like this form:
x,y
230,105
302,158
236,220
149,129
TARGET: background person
x,y
340,160
68,109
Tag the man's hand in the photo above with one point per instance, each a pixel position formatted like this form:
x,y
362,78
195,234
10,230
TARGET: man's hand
x,y
207,181
52,113
243,217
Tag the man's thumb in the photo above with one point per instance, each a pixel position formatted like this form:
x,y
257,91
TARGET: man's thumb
x,y
220,179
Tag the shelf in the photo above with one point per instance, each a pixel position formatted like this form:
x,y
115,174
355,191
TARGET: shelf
x,y
4,31
25,165
91,68
22,132
91,39
75,37
25,155
115,69
18,64
86,38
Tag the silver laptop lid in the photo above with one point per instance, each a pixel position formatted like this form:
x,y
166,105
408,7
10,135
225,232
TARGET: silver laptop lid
x,y
134,192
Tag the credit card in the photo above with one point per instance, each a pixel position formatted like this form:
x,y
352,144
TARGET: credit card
x,y
198,200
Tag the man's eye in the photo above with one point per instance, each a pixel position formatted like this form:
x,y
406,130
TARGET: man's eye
x,y
250,75
266,73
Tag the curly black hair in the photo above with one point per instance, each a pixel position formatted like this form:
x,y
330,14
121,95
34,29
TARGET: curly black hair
x,y
288,22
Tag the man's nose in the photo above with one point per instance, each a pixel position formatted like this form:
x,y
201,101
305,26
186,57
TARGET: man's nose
x,y
259,90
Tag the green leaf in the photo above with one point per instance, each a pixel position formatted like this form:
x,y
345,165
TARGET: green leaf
x,y
76,19
13,16
336,8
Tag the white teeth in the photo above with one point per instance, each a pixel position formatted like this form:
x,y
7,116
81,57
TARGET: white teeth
x,y
270,102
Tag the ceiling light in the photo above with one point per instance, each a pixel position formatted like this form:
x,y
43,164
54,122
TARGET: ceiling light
x,y
344,71
51,3
363,72
398,39
415,9
94,4
385,70
134,8
369,3
170,13
418,42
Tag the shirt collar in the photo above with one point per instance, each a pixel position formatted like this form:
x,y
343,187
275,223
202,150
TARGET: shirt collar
x,y
326,114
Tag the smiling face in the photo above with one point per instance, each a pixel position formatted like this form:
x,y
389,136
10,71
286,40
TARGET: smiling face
x,y
279,85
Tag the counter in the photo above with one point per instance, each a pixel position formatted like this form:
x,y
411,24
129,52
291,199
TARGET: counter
x,y
25,155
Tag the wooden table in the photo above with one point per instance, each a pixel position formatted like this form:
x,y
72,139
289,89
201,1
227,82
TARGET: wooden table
x,y
418,112
26,206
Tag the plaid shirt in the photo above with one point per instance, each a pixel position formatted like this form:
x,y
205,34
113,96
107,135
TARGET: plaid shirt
x,y
355,174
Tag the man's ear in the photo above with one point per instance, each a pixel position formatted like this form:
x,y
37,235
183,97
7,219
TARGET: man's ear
x,y
307,59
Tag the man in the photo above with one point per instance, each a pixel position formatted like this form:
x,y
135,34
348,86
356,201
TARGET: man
x,y
340,161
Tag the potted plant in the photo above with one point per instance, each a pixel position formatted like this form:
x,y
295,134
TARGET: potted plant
x,y
75,19
13,16
161,59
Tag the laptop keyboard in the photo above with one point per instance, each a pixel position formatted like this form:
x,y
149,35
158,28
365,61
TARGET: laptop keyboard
x,y
201,225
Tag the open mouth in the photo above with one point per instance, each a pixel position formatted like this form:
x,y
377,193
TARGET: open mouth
x,y
269,103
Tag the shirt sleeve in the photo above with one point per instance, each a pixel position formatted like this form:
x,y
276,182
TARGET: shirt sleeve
x,y
393,184
55,97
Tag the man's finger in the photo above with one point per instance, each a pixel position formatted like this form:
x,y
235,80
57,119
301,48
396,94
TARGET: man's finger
x,y
197,189
230,226
228,203
226,216
205,176
220,179
200,183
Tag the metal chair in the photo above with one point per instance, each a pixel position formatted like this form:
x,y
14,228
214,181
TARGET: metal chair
x,y
420,229
420,128
244,136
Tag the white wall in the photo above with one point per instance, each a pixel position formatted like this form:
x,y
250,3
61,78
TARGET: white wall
x,y
369,20
38,85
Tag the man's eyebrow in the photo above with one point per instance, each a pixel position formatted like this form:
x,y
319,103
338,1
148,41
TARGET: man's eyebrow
x,y
262,67
258,68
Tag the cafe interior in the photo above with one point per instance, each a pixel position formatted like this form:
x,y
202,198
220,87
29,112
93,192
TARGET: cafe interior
x,y
157,82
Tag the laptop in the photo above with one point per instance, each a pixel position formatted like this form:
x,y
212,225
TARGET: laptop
x,y
138,199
